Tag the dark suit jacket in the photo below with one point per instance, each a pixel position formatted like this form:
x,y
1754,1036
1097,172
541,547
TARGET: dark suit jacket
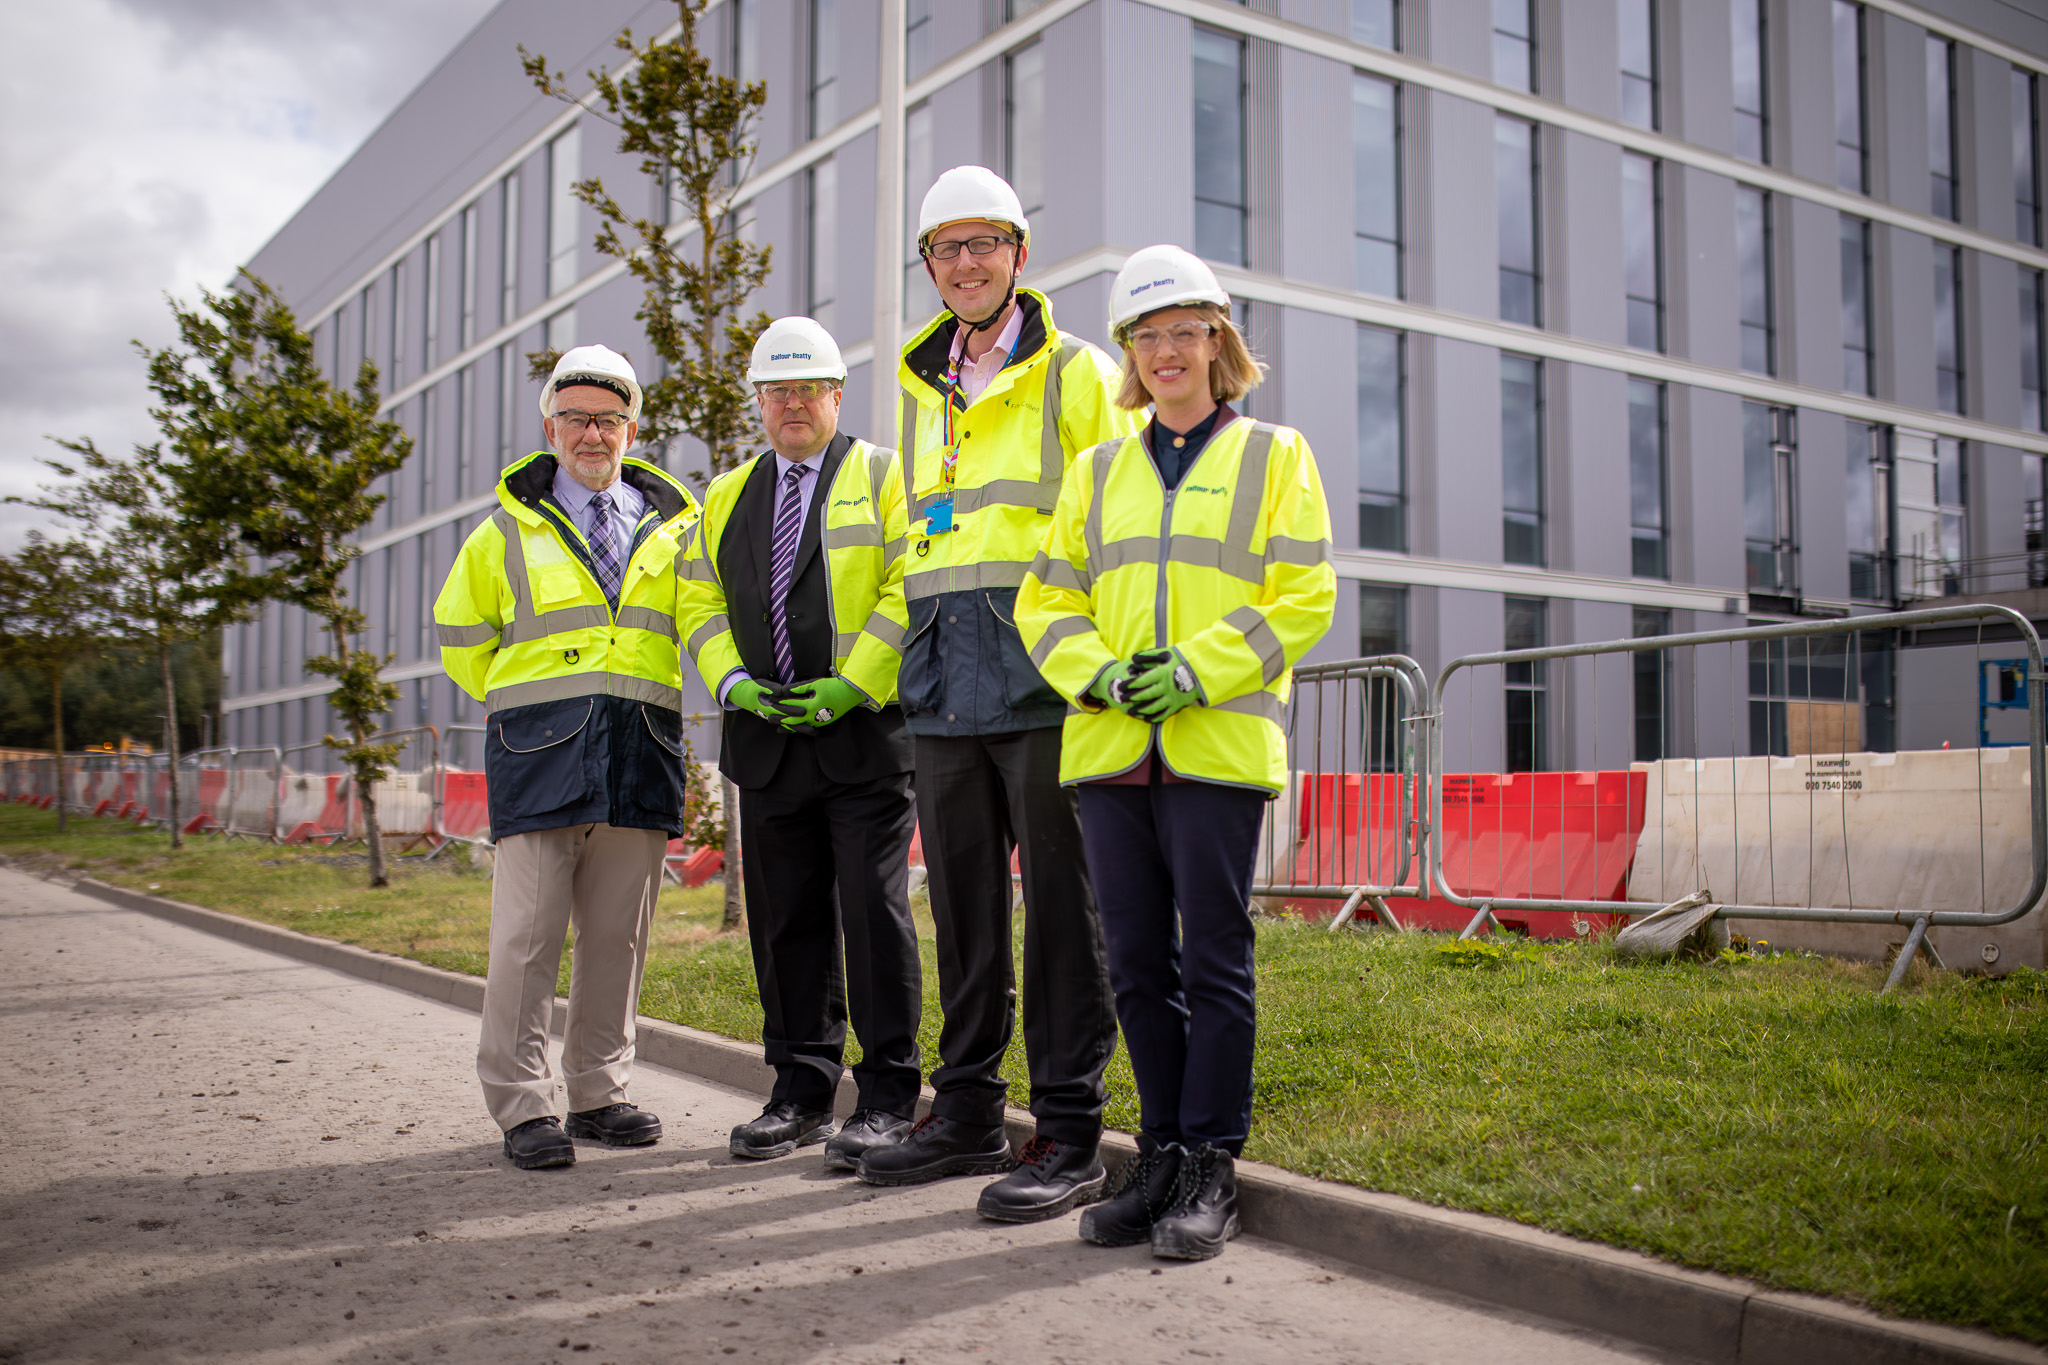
x,y
858,747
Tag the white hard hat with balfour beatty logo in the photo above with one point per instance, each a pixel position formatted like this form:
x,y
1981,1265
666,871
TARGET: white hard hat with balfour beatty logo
x,y
795,348
598,365
970,194
1159,277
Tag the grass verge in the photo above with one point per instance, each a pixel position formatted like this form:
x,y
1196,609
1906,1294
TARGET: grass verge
x,y
1769,1117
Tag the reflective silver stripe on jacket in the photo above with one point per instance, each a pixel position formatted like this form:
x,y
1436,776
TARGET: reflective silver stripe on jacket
x,y
526,626
574,685
1305,554
888,632
706,633
1259,637
1232,555
1041,496
992,573
859,536
647,618
1058,573
515,563
1264,705
466,637
1062,628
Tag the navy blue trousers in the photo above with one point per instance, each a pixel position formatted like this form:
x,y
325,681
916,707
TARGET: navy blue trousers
x,y
1172,867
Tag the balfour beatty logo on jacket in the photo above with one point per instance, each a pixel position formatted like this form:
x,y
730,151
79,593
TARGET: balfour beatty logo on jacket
x,y
863,543
585,701
1012,462
1242,584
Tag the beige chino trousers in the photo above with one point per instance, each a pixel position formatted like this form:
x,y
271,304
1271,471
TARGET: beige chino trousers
x,y
601,881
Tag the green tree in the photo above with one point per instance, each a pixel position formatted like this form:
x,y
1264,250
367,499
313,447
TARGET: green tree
x,y
164,588
272,467
54,611
694,133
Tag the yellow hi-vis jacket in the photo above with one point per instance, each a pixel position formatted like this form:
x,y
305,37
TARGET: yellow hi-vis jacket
x,y
1012,460
1232,567
585,703
863,539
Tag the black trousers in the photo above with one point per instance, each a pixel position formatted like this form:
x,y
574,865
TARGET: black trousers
x,y
1184,985
978,798
823,863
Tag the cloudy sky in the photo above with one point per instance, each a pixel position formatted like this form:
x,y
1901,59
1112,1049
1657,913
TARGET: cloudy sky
x,y
149,147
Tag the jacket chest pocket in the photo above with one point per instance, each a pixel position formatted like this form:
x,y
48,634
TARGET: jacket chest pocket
x,y
556,584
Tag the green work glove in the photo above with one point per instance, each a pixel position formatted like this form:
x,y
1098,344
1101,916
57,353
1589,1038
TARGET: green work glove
x,y
763,699
823,700
1112,689
1163,685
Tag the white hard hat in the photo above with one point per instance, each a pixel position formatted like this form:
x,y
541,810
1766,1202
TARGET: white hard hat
x,y
1162,276
599,365
971,194
795,348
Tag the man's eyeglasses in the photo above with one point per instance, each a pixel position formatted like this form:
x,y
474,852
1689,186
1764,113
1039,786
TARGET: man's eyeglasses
x,y
976,246
610,423
1180,334
780,395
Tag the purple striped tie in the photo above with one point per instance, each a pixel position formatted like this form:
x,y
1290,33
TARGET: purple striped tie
x,y
604,546
789,521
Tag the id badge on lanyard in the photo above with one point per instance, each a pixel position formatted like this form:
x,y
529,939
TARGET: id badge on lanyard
x,y
938,517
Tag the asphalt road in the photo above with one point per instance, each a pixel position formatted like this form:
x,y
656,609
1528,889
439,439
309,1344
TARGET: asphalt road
x,y
220,1153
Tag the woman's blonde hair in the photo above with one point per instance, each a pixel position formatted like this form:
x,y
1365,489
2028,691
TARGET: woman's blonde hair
x,y
1234,372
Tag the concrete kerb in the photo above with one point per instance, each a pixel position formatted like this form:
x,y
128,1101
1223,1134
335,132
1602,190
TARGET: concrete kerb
x,y
1492,1260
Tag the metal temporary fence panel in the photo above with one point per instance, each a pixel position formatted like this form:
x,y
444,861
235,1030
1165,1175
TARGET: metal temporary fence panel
x,y
203,786
2007,811
1347,825
405,798
465,805
312,800
250,803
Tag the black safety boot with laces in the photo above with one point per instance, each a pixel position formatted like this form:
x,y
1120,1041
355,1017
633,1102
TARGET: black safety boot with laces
x,y
783,1127
1051,1177
937,1147
1144,1190
538,1144
862,1133
616,1125
1204,1212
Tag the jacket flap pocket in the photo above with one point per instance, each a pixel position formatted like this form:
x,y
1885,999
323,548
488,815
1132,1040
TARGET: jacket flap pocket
x,y
667,732
923,612
543,730
555,584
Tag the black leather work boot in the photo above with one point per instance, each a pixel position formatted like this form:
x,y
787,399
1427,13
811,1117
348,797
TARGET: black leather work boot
x,y
1144,1190
539,1143
935,1148
783,1127
1051,1177
616,1125
1204,1212
861,1134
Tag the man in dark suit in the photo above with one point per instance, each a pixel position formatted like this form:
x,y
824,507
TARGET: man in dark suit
x,y
791,602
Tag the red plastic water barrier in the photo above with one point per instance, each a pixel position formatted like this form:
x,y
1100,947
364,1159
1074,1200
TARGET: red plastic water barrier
x,y
307,832
102,808
1565,836
465,805
701,866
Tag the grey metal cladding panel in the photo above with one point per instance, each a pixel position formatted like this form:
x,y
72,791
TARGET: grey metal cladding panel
x,y
1082,308
1588,470
1152,195
1821,470
781,125
1991,338
1902,271
1996,486
1802,88
853,238
1705,480
1454,449
1316,182
1984,141
1330,16
1322,403
1702,320
1451,217
860,23
475,108
1897,106
2008,21
605,317
1584,292
1696,74
1809,288
1090,160
1453,33
1586,56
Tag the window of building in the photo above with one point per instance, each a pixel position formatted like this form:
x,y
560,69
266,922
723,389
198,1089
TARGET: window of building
x,y
821,229
1376,22
466,332
561,330
1857,368
1638,32
1515,185
1521,459
1852,157
1017,9
823,102
920,296
1382,486
465,430
1376,184
1927,510
1382,620
1751,54
917,38
1219,146
1867,512
1526,626
2030,350
1024,125
430,320
1767,512
1754,282
394,315
508,404
508,248
562,206
2026,156
1642,213
746,56
1948,328
1514,43
1941,127
1650,671
1649,514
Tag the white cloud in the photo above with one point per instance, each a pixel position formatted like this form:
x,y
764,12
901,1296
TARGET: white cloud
x,y
149,147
